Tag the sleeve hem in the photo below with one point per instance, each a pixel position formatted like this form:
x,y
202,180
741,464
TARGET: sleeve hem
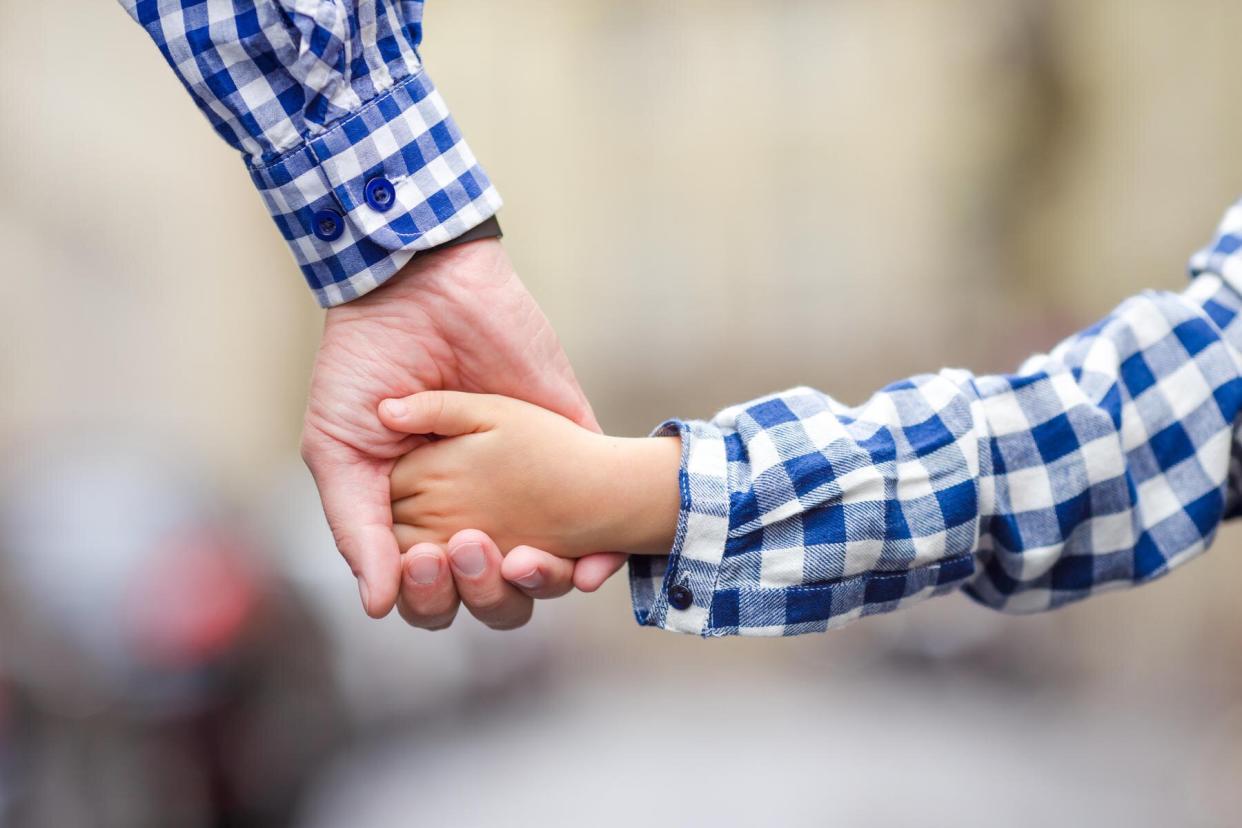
x,y
698,546
405,136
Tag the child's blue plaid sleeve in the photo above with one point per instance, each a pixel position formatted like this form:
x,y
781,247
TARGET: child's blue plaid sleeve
x,y
1105,463
352,149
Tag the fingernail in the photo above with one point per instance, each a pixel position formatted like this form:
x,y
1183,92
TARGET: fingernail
x,y
365,594
395,408
468,559
531,580
424,569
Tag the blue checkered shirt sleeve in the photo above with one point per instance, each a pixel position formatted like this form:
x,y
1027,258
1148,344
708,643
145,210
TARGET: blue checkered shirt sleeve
x,y
325,98
1104,463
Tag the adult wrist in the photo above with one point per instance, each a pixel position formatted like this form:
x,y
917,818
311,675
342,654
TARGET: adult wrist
x,y
443,283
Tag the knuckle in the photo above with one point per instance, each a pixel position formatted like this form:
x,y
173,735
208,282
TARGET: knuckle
x,y
306,449
428,405
310,445
343,544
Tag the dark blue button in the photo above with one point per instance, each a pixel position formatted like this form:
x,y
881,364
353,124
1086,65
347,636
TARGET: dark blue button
x,y
380,194
680,597
328,225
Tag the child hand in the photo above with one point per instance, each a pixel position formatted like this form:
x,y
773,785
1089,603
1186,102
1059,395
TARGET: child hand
x,y
525,475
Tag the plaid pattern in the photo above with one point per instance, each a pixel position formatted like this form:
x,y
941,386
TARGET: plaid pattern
x,y
1105,463
1224,254
320,98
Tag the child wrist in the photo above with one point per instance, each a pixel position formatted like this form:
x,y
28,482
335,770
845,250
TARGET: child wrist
x,y
641,507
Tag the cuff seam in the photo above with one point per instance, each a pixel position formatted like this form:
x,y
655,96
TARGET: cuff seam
x,y
703,524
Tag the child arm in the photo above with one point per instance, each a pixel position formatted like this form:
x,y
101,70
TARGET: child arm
x,y
1105,463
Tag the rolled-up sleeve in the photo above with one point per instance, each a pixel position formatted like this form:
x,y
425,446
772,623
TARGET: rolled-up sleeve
x,y
351,147
1105,463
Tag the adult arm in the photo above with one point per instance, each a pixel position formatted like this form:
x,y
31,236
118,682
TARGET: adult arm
x,y
342,131
364,171
1105,463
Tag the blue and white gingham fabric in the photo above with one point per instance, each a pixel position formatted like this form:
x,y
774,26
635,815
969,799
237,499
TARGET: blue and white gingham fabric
x,y
1224,255
321,96
1105,463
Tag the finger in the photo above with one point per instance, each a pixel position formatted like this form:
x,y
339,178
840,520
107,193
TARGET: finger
x,y
585,417
447,413
409,470
537,573
591,571
428,596
476,571
409,535
409,475
354,491
405,514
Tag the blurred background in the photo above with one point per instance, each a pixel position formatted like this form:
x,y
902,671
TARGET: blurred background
x,y
863,189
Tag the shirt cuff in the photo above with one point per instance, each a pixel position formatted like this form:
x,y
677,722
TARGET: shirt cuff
x,y
358,201
700,590
676,593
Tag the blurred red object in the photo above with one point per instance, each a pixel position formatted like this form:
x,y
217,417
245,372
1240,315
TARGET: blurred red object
x,y
194,601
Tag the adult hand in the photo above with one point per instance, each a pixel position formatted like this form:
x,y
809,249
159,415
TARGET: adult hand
x,y
457,319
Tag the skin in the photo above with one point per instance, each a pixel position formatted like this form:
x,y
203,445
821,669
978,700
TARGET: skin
x,y
458,319
529,476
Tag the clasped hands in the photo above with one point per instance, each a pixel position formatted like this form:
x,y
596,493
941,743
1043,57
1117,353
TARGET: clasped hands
x,y
423,523
527,478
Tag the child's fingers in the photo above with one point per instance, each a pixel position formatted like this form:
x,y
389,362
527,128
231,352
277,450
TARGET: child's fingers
x,y
409,535
428,595
447,413
538,573
409,475
405,514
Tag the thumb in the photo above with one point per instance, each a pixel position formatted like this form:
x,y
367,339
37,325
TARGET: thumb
x,y
446,413
356,503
